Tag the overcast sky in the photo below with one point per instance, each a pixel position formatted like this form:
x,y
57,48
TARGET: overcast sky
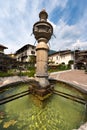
x,y
68,17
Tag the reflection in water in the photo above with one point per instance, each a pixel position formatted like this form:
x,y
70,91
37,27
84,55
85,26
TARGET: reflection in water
x,y
29,113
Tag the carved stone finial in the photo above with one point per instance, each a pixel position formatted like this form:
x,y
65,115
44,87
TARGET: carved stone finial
x,y
43,15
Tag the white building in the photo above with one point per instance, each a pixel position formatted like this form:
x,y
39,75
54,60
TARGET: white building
x,y
61,57
24,53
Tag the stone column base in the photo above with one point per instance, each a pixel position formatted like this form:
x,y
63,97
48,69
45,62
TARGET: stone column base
x,y
41,93
43,82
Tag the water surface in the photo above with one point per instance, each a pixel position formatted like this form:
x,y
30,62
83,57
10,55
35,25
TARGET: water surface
x,y
28,113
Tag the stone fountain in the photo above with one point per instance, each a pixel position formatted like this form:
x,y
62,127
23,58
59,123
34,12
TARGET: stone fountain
x,y
42,31
31,116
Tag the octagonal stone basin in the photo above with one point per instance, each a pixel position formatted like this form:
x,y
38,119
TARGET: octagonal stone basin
x,y
29,113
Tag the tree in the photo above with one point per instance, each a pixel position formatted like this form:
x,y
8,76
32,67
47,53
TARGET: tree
x,y
32,60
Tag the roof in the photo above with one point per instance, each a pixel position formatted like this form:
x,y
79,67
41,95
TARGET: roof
x,y
24,48
61,52
3,47
83,53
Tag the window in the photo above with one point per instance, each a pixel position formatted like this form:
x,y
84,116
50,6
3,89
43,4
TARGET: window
x,y
32,52
32,47
56,57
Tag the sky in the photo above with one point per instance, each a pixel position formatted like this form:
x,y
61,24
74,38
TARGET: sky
x,y
68,17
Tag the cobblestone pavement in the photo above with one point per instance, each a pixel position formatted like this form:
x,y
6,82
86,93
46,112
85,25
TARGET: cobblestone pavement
x,y
77,77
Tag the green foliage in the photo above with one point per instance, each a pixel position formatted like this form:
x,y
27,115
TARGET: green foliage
x,y
71,62
62,67
5,74
27,73
59,67
30,72
32,60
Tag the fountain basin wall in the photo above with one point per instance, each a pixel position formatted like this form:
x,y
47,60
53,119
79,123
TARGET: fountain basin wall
x,y
29,113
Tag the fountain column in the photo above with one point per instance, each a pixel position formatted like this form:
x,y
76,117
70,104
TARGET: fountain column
x,y
43,31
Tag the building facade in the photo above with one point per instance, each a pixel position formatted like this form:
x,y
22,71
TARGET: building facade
x,y
24,53
61,57
2,48
81,61
6,62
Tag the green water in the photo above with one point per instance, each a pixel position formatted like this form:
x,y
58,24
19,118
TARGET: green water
x,y
28,113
